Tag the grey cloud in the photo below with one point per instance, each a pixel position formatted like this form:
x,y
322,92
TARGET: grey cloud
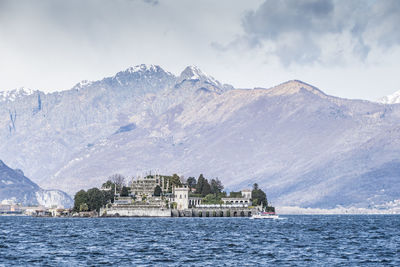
x,y
369,23
274,18
289,52
386,18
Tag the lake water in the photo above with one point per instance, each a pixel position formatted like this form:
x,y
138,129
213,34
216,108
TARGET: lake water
x,y
314,240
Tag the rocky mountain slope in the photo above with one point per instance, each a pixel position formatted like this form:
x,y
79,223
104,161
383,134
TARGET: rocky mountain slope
x,y
14,186
304,147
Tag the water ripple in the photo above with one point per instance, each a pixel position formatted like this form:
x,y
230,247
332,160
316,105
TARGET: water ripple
x,y
297,241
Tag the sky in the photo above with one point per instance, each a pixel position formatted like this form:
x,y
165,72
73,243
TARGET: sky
x,y
346,48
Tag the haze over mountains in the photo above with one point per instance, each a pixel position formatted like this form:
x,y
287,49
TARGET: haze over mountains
x,y
303,147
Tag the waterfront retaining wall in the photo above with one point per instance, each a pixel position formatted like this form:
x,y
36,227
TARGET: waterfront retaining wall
x,y
139,212
215,212
194,212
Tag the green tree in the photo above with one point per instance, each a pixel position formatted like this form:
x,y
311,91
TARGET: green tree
x,y
83,207
80,198
222,194
157,191
235,194
109,184
124,191
175,180
206,188
108,194
258,196
200,183
95,199
255,186
191,181
212,199
216,186
203,187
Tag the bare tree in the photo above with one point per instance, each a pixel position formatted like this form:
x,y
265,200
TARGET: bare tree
x,y
118,180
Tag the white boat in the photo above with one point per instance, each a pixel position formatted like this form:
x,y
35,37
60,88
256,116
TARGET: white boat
x,y
265,215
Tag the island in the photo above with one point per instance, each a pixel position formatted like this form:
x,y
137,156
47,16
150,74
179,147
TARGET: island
x,y
155,195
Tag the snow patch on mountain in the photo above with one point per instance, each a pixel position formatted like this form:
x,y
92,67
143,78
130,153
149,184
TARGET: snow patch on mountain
x,y
193,73
144,68
12,95
82,84
390,99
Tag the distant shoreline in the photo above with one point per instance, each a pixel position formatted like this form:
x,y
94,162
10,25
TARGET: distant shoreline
x,y
290,210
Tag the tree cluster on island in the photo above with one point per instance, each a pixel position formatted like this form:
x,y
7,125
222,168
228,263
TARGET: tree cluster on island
x,y
210,192
94,198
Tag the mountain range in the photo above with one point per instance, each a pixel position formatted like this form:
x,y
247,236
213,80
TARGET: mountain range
x,y
17,188
303,147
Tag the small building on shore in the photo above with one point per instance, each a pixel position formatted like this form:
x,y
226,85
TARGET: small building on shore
x,y
181,197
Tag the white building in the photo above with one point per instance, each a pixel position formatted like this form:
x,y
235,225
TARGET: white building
x,y
181,197
236,200
244,200
246,193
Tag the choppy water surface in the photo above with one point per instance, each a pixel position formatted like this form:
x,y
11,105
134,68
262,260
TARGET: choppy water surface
x,y
297,240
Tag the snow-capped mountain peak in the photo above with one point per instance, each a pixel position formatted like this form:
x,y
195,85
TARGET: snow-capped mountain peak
x,y
82,84
390,99
142,72
143,68
194,73
148,75
15,93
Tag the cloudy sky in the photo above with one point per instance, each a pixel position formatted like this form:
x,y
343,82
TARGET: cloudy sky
x,y
346,48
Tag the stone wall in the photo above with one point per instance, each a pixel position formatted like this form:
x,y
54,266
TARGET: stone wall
x,y
215,212
162,212
135,212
